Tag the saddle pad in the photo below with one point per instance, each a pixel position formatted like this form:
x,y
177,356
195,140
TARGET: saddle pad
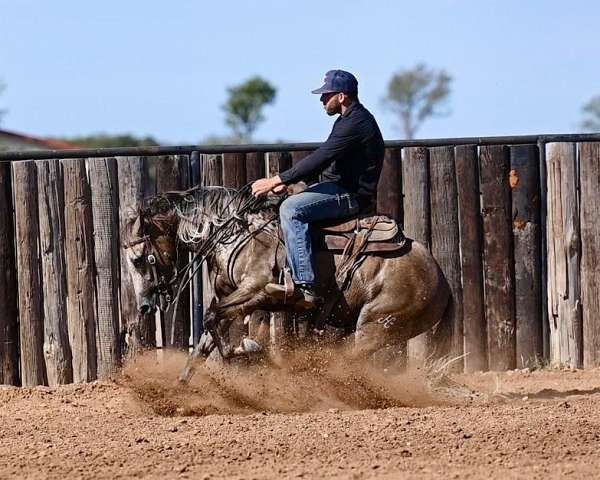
x,y
381,223
338,242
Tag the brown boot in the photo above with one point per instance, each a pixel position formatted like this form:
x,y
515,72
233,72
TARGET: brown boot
x,y
301,296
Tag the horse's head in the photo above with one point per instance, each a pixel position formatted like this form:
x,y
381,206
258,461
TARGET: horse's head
x,y
151,253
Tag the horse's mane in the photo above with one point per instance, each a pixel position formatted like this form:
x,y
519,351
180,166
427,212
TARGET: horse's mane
x,y
202,208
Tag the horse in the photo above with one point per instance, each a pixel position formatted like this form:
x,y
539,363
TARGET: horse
x,y
387,298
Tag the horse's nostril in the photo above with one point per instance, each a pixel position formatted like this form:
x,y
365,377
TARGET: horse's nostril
x,y
144,309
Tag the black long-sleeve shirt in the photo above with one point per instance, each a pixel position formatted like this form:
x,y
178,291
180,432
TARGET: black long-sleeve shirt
x,y
352,155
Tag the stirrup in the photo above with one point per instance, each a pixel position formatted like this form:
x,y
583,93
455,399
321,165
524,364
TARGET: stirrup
x,y
285,279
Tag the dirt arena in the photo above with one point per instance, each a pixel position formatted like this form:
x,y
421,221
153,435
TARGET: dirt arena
x,y
305,420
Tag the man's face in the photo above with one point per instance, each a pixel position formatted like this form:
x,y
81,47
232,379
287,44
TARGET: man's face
x,y
331,102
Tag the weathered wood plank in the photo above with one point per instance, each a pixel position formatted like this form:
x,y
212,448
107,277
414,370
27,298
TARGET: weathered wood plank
x,y
255,166
31,316
525,185
590,252
140,329
498,257
104,187
389,189
544,251
281,323
469,219
389,202
564,255
234,176
415,188
258,322
212,174
448,335
57,351
79,254
172,173
234,170
196,285
9,324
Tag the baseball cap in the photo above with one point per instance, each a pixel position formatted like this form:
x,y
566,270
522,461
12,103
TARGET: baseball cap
x,y
338,81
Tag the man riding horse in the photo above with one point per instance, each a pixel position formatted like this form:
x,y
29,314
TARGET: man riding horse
x,y
349,162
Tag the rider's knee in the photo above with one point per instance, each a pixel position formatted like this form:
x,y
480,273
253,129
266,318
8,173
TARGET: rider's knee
x,y
288,209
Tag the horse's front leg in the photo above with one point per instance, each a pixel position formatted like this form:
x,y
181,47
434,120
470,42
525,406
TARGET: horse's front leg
x,y
217,321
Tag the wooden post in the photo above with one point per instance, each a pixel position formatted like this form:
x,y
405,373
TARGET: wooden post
x,y
544,250
104,185
31,316
389,189
57,351
212,174
79,254
172,173
564,255
448,335
590,252
234,176
525,185
132,173
9,324
469,220
234,170
196,285
389,202
280,322
415,188
498,257
255,166
258,322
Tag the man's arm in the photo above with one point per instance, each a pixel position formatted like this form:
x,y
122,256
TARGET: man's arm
x,y
341,139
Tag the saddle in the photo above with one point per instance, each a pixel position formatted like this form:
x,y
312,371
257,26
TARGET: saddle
x,y
378,233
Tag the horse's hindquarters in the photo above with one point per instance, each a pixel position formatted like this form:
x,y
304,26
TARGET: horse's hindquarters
x,y
400,296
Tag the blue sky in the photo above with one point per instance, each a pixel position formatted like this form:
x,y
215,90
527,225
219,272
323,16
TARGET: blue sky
x,y
162,68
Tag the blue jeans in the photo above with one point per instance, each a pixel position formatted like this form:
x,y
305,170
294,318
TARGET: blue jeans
x,y
323,201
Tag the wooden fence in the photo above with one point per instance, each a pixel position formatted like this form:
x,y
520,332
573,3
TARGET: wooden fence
x,y
515,229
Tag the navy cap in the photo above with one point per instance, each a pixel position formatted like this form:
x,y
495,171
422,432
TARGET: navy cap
x,y
337,81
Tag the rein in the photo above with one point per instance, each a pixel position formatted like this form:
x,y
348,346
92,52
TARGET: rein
x,y
218,237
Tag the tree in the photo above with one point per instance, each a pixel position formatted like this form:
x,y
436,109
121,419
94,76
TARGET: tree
x,y
104,140
245,104
417,94
592,110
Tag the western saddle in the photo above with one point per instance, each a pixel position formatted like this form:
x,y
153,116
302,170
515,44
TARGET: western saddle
x,y
379,233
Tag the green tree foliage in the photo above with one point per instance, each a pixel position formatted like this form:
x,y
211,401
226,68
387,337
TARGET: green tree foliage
x,y
245,104
104,140
416,94
592,112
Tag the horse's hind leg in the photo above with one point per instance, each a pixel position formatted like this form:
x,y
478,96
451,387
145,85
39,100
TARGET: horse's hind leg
x,y
375,331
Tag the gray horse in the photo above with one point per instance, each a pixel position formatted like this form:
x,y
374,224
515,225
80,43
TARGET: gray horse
x,y
389,298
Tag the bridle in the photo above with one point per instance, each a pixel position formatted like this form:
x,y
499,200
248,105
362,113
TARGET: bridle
x,y
155,259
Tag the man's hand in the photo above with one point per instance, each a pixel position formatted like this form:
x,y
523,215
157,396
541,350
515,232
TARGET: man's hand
x,y
264,185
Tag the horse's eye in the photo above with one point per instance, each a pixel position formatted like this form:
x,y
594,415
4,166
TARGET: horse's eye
x,y
151,259
138,262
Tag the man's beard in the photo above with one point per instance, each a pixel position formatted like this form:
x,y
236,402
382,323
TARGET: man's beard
x,y
333,107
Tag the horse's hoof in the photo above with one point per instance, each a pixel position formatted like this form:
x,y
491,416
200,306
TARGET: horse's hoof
x,y
247,347
185,376
250,346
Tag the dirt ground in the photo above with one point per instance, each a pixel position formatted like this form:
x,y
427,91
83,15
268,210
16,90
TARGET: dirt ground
x,y
304,420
